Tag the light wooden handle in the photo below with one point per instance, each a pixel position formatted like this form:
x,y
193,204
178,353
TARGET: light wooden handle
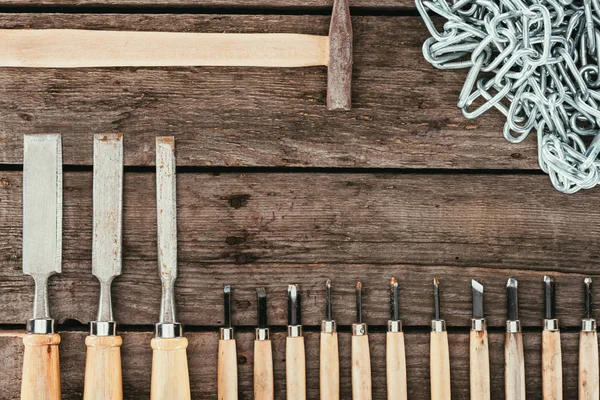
x,y
514,367
479,365
263,370
295,368
589,377
395,366
439,366
329,367
361,368
103,378
41,368
227,370
551,366
170,375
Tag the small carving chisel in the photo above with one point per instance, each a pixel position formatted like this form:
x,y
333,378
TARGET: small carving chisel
x,y
395,352
330,358
439,354
103,376
589,376
263,352
514,361
361,356
42,257
170,375
551,352
479,352
227,361
295,363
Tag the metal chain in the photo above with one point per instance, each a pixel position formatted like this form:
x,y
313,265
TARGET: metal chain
x,y
538,63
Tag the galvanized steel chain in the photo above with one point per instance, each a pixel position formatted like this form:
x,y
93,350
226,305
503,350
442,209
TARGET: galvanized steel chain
x,y
537,62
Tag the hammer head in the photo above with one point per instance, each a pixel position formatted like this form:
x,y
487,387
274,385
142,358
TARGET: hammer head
x,y
339,74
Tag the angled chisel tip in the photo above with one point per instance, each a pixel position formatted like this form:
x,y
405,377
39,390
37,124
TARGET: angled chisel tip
x,y
478,287
394,300
512,300
477,290
549,298
512,282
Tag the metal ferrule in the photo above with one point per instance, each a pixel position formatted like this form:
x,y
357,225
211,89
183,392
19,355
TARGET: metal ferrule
x,y
359,329
328,326
169,330
478,324
262,334
588,325
294,330
513,326
40,326
226,333
103,328
438,325
551,325
395,326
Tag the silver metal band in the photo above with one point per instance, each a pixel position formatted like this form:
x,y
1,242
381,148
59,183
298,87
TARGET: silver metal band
x,y
438,325
395,326
103,328
262,334
551,325
588,325
40,326
226,333
328,326
294,330
478,324
169,330
359,329
513,326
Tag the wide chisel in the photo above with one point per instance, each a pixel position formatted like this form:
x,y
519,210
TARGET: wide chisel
x,y
42,257
170,375
551,351
589,376
514,360
263,352
395,352
479,357
361,355
227,358
103,380
295,363
439,353
330,358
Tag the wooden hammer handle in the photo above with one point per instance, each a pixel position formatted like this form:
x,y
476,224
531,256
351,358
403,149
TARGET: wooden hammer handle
x,y
479,365
103,377
295,368
170,375
439,367
263,370
396,366
551,366
227,370
514,367
361,368
589,376
329,367
41,368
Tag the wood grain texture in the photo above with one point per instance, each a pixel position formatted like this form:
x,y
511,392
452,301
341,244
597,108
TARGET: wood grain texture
x,y
40,379
479,365
263,370
403,115
170,374
329,367
589,377
439,366
515,383
103,374
295,368
227,370
552,385
361,368
395,364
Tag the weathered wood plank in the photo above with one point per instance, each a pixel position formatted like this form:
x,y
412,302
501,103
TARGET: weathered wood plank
x,y
404,111
202,357
272,229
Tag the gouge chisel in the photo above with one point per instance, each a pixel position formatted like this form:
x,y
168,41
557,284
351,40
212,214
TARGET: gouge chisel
x,y
103,379
42,257
439,354
361,355
589,377
295,363
330,358
551,352
227,360
263,352
514,361
170,375
395,353
479,353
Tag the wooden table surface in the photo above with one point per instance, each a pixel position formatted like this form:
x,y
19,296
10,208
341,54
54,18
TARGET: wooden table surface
x,y
274,189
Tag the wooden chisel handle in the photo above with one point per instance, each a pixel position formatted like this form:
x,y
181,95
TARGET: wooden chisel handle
x,y
227,370
589,375
514,367
439,367
329,367
551,366
295,368
479,365
170,375
103,377
41,368
263,370
395,366
361,368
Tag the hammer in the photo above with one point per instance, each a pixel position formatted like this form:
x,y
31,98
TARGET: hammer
x,y
74,48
